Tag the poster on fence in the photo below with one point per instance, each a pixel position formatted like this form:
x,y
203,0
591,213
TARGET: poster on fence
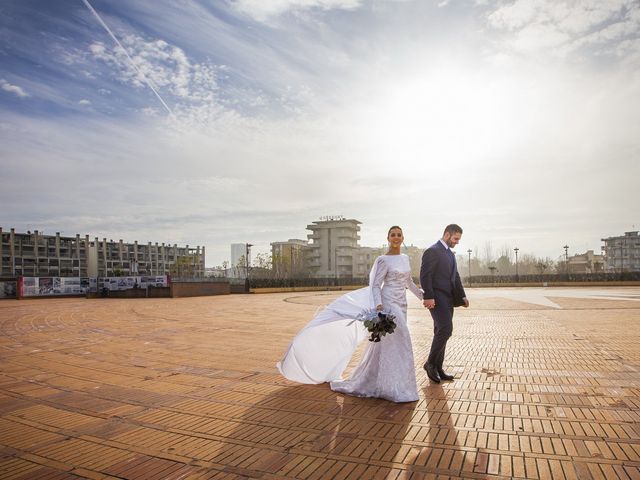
x,y
126,283
29,287
49,286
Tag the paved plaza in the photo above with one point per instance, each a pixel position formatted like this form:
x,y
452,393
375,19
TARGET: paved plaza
x,y
547,387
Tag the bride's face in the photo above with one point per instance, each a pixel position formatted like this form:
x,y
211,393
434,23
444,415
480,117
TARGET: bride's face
x,y
395,237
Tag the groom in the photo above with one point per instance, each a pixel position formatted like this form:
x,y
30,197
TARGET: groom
x,y
442,291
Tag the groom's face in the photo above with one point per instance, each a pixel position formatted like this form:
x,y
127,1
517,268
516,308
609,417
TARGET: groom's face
x,y
452,239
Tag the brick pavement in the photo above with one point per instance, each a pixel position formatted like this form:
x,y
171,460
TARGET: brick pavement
x,y
187,388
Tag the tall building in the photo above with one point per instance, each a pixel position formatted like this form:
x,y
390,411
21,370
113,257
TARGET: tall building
x,y
333,242
38,255
238,254
622,253
238,260
288,258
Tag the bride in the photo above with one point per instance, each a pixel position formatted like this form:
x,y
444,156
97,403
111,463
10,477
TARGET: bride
x,y
321,351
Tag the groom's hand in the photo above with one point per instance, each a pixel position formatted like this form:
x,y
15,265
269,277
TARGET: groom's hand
x,y
466,302
429,303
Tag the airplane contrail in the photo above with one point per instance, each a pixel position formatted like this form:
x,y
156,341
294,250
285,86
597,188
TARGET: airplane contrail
x,y
147,81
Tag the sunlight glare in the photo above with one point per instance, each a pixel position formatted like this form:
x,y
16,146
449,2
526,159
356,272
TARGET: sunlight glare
x,y
449,116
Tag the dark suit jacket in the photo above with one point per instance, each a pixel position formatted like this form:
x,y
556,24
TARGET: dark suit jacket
x,y
439,273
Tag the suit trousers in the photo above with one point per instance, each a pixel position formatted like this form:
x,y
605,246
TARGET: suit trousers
x,y
442,316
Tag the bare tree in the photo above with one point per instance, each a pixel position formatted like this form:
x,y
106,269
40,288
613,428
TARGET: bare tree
x,y
262,260
487,255
507,252
541,266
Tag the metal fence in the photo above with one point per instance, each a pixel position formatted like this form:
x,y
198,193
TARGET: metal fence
x,y
307,282
554,278
8,285
203,279
474,280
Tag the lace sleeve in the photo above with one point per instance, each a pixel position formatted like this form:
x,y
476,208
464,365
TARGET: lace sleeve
x,y
376,282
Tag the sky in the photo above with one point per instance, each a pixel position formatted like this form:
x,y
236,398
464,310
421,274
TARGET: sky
x,y
232,121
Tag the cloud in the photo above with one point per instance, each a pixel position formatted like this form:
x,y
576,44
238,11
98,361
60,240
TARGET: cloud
x,y
166,66
15,89
569,25
262,10
84,101
191,88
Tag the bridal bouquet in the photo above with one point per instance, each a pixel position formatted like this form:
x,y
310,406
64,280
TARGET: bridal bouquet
x,y
377,323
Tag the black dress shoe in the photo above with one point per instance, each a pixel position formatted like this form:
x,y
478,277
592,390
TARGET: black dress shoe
x,y
432,372
444,376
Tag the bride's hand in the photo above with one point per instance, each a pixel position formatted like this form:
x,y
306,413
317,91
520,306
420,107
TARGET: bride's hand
x,y
379,307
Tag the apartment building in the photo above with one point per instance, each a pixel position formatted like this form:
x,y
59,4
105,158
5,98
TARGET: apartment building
x,y
587,262
622,252
332,244
34,254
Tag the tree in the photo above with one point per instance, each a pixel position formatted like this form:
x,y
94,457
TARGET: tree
x,y
507,252
493,269
240,268
541,266
184,267
488,254
263,260
503,264
279,264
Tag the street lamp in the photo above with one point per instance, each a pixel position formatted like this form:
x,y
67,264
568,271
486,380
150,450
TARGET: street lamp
x,y
469,252
566,258
517,276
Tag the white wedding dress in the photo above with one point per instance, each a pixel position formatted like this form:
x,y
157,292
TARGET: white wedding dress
x,y
321,351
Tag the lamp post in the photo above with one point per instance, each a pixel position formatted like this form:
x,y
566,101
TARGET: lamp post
x,y
517,276
566,259
469,252
246,262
